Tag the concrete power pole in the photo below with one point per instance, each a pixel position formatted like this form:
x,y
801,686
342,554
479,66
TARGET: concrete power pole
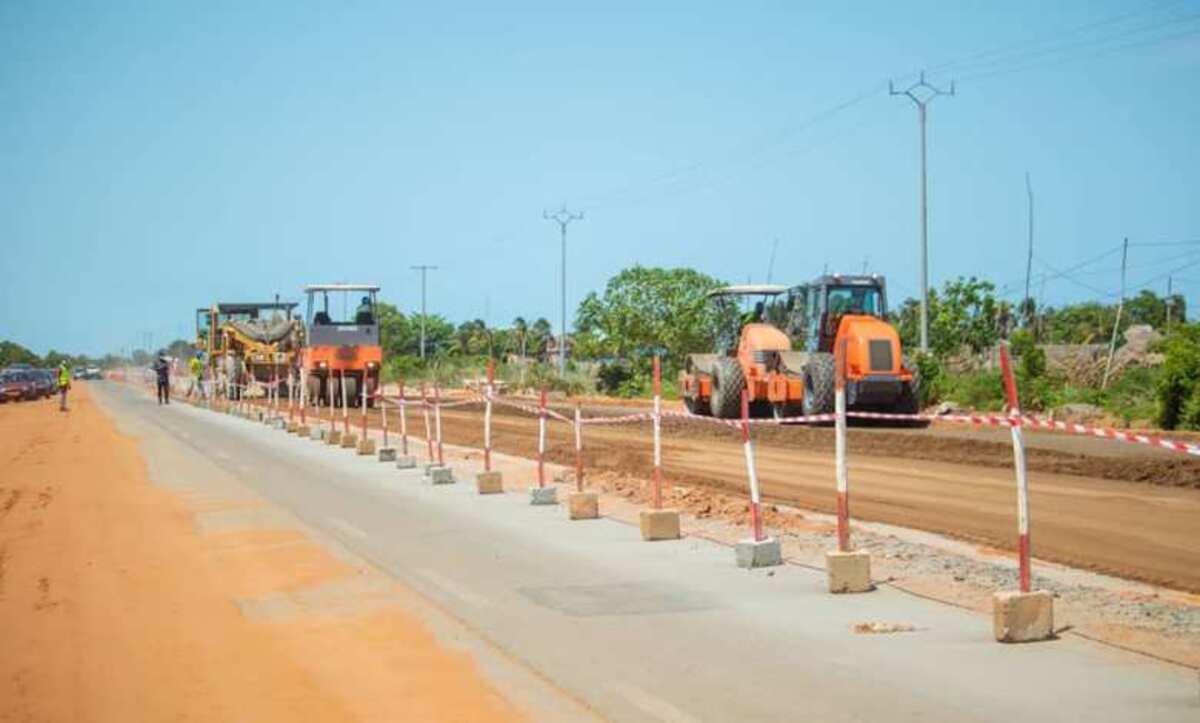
x,y
1029,257
922,94
563,218
1112,344
423,270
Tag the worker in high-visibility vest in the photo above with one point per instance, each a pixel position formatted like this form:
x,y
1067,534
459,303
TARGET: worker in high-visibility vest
x,y
197,368
64,383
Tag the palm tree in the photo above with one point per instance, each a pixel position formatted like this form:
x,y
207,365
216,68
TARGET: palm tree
x,y
521,329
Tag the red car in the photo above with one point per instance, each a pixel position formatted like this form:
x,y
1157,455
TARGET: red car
x,y
17,385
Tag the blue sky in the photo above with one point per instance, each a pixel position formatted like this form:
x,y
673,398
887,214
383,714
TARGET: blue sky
x,y
161,156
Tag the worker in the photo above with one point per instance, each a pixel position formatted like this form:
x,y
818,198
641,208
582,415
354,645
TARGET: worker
x,y
363,314
64,383
197,369
162,369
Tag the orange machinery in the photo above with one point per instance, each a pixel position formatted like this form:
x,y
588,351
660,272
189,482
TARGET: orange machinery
x,y
342,343
782,352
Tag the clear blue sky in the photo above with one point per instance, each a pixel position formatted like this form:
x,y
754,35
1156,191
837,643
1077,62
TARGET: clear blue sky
x,y
161,156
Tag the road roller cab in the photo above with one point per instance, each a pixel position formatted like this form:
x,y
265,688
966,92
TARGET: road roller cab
x,y
342,357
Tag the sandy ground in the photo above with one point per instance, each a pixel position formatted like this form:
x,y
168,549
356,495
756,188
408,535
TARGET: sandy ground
x,y
114,607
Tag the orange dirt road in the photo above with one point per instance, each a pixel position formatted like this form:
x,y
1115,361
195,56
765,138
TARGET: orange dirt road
x,y
113,608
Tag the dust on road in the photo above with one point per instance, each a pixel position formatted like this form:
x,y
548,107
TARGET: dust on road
x,y
114,608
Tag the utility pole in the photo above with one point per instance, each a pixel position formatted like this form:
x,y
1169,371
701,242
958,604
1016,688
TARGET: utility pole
x,y
922,94
1170,303
423,270
1112,344
1029,258
563,218
771,263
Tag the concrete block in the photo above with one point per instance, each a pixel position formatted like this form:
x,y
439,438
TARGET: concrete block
x,y
543,495
303,430
438,475
849,571
387,454
758,553
366,447
489,483
1023,617
406,462
660,525
333,437
583,506
293,427
317,433
349,441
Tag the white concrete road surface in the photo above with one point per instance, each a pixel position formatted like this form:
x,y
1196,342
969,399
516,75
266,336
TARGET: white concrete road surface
x,y
666,631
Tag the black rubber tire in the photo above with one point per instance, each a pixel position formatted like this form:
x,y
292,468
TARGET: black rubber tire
x,y
727,385
697,406
818,384
352,397
912,395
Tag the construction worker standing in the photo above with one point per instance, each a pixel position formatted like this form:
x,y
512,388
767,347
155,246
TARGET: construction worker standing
x,y
197,368
64,383
162,369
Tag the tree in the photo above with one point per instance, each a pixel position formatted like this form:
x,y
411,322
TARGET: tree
x,y
965,313
13,353
645,310
1179,386
539,336
520,332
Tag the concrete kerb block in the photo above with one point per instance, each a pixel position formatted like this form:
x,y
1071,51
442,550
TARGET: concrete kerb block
x,y
439,475
659,525
543,495
366,447
849,571
489,483
1023,617
758,553
349,441
333,437
387,454
406,462
583,506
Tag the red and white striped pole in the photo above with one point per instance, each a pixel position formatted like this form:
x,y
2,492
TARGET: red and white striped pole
x,y
487,416
541,451
756,522
383,414
657,433
578,448
428,428
403,421
303,396
843,481
1014,414
345,406
291,399
437,417
364,407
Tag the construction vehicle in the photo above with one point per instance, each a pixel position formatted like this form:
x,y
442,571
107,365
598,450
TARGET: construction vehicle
x,y
250,342
342,348
782,352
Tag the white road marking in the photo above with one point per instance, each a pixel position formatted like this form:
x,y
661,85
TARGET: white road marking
x,y
348,528
453,589
651,704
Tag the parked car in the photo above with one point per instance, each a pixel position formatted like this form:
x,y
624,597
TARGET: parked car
x,y
16,385
43,384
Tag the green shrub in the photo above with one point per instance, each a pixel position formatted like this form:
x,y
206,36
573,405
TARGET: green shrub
x,y
1178,387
